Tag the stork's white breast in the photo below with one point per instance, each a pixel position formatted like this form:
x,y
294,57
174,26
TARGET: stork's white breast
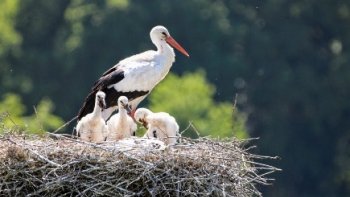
x,y
142,72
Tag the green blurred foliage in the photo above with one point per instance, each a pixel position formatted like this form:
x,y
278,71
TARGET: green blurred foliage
x,y
12,102
10,40
9,37
287,60
189,98
13,115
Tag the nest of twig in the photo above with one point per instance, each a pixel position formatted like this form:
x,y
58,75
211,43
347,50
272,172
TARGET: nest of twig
x,y
56,165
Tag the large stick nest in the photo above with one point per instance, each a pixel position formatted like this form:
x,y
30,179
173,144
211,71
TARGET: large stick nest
x,y
56,165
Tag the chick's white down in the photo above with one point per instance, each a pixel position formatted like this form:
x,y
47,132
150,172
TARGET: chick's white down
x,y
160,125
92,127
121,125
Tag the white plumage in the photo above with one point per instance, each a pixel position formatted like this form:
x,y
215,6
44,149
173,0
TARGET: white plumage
x,y
121,125
92,127
135,76
160,125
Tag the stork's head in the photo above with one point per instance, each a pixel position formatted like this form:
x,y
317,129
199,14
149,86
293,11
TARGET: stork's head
x,y
141,114
159,34
100,99
123,102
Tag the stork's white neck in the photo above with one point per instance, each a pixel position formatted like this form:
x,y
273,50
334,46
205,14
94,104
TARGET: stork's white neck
x,y
166,56
166,50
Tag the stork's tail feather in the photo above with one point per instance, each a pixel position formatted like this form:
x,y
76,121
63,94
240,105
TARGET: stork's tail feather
x,y
88,105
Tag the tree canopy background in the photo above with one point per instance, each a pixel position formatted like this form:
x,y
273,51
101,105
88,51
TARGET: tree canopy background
x,y
288,62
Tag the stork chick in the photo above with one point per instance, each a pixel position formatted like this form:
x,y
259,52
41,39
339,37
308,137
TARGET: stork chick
x,y
121,125
92,127
159,125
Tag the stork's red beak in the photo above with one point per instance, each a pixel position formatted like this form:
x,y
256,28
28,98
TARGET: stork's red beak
x,y
170,40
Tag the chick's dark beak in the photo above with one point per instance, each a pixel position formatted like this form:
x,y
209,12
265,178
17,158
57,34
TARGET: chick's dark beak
x,y
144,123
102,103
127,108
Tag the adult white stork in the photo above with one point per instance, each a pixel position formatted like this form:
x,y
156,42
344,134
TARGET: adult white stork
x,y
135,76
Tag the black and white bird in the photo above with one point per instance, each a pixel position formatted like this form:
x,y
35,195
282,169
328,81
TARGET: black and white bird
x,y
135,76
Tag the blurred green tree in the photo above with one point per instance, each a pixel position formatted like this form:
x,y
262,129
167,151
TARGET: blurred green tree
x,y
42,120
189,98
10,40
287,60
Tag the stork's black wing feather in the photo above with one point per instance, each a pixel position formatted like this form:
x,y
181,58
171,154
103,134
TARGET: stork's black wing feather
x,y
111,76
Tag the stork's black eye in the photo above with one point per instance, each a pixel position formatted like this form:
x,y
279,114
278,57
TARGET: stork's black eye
x,y
164,34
